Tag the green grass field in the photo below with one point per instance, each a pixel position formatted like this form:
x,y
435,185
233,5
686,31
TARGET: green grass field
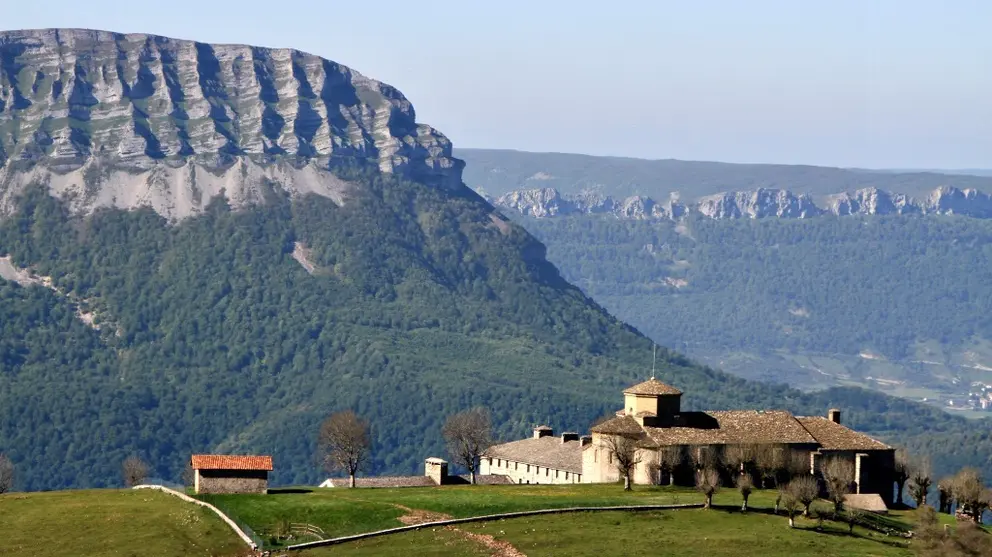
x,y
121,523
342,512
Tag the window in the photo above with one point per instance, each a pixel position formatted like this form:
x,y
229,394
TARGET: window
x,y
528,470
556,473
516,465
547,471
566,475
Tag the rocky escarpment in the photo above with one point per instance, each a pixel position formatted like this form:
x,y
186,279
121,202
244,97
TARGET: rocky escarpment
x,y
760,203
128,120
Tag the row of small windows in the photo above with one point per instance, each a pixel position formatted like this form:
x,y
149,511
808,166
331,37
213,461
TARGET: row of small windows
x,y
500,463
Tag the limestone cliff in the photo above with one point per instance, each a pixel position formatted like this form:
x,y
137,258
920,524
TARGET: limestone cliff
x,y
760,203
129,120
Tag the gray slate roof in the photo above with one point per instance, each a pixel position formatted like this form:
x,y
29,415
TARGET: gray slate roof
x,y
652,387
547,452
836,437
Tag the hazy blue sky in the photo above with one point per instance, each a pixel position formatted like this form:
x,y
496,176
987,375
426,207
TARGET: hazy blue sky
x,y
900,83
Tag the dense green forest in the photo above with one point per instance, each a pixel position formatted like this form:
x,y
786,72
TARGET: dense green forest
x,y
213,338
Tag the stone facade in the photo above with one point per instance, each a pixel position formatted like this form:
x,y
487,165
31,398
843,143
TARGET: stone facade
x,y
231,481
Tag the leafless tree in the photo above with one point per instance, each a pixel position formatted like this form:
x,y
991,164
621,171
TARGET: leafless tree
x,y
790,504
738,458
769,461
932,540
188,477
705,457
6,474
344,443
669,460
970,492
920,480
745,484
134,471
805,490
838,473
708,483
468,434
945,494
900,473
623,454
854,515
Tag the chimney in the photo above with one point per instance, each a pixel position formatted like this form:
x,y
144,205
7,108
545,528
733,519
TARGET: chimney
x,y
585,440
569,436
436,469
834,415
543,431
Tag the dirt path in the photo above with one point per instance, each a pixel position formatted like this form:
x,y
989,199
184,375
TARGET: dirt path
x,y
497,548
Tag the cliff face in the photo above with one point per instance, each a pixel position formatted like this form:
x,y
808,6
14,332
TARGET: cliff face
x,y
129,120
760,203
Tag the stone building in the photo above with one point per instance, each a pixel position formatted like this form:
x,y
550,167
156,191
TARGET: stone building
x,y
542,459
435,474
653,416
230,474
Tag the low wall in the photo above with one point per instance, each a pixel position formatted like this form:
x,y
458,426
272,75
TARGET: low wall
x,y
237,530
484,518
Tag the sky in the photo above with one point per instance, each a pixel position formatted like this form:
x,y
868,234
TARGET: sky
x,y
866,83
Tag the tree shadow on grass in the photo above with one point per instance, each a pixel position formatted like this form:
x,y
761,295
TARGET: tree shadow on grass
x,y
289,491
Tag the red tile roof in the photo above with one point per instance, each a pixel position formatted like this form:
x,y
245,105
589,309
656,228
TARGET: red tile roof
x,y
231,462
652,387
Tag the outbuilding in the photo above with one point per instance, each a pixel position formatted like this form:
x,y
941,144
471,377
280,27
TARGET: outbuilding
x,y
230,473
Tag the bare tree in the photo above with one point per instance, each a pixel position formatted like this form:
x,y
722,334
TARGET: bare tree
x,y
790,504
738,458
706,457
344,443
188,477
669,460
623,454
838,473
854,515
769,460
945,494
900,473
469,435
745,484
134,471
805,490
6,474
971,494
708,483
920,481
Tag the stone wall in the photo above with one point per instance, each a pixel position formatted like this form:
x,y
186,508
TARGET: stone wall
x,y
232,481
523,473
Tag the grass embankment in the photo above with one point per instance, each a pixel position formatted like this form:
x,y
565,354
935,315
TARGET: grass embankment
x,y
95,523
723,530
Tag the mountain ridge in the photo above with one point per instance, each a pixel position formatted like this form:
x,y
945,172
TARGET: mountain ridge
x,y
760,203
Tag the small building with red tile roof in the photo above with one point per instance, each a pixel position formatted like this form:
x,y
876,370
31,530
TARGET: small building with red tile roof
x,y
230,473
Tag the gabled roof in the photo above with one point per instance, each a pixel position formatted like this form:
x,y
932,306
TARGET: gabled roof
x,y
547,452
652,387
621,425
230,462
835,437
732,428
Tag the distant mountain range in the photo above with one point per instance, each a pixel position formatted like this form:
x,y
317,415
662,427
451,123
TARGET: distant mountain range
x,y
498,172
761,203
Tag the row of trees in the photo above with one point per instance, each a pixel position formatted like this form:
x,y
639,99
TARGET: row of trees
x,y
344,441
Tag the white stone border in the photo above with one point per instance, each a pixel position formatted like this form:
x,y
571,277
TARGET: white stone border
x,y
237,530
484,518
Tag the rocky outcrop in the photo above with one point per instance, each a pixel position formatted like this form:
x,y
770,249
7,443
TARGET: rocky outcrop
x,y
126,120
761,203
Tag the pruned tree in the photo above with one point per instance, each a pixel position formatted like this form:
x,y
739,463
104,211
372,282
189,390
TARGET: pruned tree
x,y
790,504
769,461
623,453
345,444
670,458
134,471
854,515
469,435
805,490
6,474
738,458
838,474
932,540
745,484
900,473
970,492
920,480
708,483
705,457
945,494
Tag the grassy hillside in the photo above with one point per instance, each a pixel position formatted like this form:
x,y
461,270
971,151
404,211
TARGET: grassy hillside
x,y
110,522
721,531
499,171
